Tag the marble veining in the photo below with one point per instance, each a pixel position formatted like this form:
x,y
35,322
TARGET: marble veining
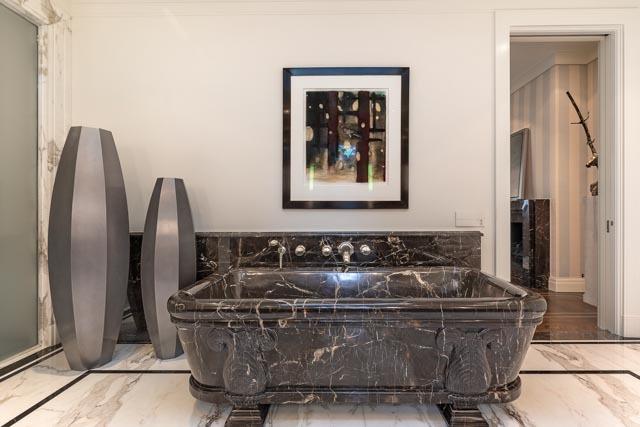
x,y
530,247
445,335
220,252
355,416
583,357
22,390
571,400
126,400
117,399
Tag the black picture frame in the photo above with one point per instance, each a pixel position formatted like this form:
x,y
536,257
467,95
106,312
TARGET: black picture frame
x,y
403,202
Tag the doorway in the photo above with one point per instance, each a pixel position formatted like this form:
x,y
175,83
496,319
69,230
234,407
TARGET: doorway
x,y
554,186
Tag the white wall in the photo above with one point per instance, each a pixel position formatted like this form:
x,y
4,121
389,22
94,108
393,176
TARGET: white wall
x,y
201,98
193,89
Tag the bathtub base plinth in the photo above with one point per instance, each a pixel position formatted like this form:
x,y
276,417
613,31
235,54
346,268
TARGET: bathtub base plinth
x,y
457,409
247,416
462,416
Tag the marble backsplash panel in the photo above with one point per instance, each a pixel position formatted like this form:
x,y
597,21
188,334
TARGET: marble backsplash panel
x,y
218,252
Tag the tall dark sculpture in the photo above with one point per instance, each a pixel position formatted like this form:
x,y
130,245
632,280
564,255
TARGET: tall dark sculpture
x,y
168,261
88,247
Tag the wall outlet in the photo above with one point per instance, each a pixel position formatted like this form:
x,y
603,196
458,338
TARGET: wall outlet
x,y
469,219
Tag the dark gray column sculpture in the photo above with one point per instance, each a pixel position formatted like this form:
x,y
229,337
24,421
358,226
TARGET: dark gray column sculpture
x,y
168,261
88,247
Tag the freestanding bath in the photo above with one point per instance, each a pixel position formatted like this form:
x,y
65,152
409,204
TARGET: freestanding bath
x,y
437,335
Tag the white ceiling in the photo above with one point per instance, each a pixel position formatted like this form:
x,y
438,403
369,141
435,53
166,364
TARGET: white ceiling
x,y
531,58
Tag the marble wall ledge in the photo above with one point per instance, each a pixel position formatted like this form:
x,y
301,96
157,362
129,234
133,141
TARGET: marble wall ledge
x,y
218,252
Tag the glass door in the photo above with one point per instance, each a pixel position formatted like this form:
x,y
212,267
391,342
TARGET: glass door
x,y
18,184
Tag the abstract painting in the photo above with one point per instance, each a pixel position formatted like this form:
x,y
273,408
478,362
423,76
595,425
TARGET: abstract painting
x,y
345,136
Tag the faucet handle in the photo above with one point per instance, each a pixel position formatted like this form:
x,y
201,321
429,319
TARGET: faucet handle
x,y
365,250
345,247
300,250
326,250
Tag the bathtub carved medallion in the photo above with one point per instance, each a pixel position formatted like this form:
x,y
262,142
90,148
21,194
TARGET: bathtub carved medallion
x,y
468,371
245,371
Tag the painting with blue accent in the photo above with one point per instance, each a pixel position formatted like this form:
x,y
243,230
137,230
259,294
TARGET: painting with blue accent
x,y
346,136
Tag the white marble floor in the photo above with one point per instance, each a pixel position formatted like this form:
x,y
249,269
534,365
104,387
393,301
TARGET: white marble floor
x,y
562,385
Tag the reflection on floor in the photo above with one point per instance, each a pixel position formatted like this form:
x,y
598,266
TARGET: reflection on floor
x,y
570,318
562,385
132,332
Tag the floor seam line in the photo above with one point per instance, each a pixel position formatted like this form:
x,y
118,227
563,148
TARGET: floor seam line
x,y
31,364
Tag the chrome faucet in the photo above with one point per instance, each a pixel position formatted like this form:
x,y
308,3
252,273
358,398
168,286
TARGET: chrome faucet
x,y
281,251
345,249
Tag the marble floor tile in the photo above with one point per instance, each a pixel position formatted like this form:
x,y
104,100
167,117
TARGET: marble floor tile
x,y
124,400
583,357
354,416
159,399
141,356
24,389
21,391
567,400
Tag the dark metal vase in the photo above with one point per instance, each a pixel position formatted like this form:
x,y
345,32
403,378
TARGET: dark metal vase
x,y
168,261
88,247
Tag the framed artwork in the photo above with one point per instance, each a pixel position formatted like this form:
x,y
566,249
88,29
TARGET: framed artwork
x,y
346,138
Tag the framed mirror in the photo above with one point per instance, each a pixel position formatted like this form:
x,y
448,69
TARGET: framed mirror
x,y
519,150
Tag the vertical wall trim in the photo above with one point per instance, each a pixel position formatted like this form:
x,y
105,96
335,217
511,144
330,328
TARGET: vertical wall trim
x,y
54,45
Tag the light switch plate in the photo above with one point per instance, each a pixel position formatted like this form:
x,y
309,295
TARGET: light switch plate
x,y
469,219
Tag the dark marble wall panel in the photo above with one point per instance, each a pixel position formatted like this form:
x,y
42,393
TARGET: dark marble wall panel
x,y
388,249
218,252
530,250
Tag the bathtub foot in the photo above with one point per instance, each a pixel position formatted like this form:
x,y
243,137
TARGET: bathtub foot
x,y
458,415
247,416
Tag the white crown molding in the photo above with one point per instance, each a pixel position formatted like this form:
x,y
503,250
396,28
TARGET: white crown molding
x,y
566,284
149,8
39,12
578,57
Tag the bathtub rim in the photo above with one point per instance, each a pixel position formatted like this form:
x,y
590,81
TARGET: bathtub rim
x,y
528,306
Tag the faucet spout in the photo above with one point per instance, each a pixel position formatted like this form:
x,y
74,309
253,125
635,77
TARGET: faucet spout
x,y
281,251
345,249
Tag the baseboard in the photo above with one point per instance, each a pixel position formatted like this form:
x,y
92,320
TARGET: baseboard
x,y
631,326
566,284
590,298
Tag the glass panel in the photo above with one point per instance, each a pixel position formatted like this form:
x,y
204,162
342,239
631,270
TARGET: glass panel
x,y
18,184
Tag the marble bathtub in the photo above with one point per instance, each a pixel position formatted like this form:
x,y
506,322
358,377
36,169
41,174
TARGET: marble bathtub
x,y
446,335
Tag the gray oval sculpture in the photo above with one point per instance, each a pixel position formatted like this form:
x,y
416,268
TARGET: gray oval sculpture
x,y
88,247
168,261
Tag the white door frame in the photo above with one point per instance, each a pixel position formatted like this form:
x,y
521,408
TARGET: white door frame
x,y
617,67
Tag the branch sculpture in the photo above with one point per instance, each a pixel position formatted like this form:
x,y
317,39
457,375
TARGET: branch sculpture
x,y
594,154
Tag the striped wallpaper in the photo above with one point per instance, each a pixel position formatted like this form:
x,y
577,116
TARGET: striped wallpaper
x,y
558,153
